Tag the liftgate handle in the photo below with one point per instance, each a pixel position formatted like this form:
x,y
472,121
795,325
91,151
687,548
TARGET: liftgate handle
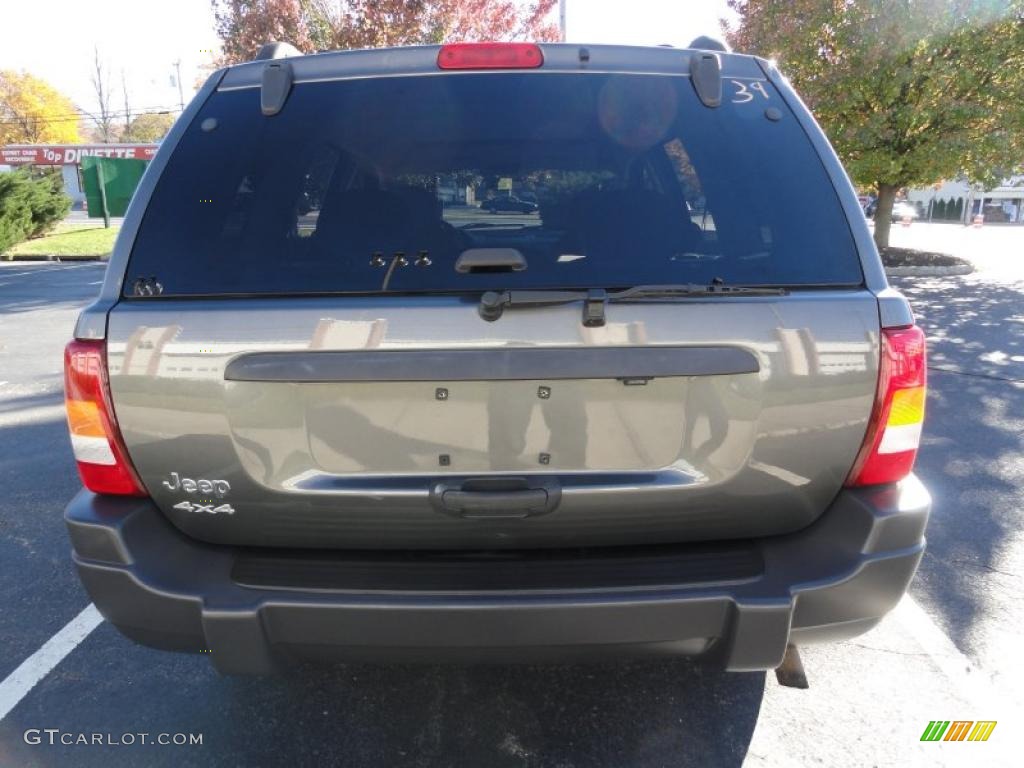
x,y
486,498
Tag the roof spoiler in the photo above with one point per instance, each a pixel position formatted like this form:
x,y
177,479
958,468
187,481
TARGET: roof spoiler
x,y
276,50
707,43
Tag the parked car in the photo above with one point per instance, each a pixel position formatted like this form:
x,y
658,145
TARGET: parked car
x,y
905,210
900,209
404,435
502,204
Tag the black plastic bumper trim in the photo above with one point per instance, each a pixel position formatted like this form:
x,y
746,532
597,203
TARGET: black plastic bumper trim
x,y
499,572
832,580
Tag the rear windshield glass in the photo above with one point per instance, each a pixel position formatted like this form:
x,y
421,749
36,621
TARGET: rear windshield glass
x,y
596,180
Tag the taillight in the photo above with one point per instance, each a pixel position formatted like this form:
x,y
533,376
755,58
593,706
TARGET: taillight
x,y
894,433
489,56
95,439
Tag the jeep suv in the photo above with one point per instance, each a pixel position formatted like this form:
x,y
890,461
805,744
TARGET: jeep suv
x,y
318,414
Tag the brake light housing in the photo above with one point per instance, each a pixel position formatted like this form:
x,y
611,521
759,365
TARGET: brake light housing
x,y
490,56
96,441
894,432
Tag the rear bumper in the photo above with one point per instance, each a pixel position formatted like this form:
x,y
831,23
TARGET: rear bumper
x,y
742,603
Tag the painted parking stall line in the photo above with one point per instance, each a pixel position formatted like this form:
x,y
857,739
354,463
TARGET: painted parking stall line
x,y
46,267
966,678
37,666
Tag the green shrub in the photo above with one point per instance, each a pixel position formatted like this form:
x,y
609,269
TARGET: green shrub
x,y
32,202
939,211
15,210
49,203
959,210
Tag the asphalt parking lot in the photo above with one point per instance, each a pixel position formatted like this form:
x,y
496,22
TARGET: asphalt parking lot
x,y
950,651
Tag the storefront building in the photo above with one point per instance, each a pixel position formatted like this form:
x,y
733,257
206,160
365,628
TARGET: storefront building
x,y
69,157
1003,204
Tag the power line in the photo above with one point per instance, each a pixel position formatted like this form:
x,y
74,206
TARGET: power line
x,y
181,95
86,113
85,116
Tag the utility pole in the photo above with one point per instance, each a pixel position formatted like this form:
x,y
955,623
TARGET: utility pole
x,y
181,95
561,18
103,192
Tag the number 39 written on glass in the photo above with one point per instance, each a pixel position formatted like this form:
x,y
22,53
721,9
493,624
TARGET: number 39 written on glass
x,y
745,93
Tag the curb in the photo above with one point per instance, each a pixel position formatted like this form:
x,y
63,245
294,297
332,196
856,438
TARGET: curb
x,y
959,269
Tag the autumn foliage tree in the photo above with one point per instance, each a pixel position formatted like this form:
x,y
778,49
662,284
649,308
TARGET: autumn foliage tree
x,y
908,92
313,25
33,112
245,25
148,127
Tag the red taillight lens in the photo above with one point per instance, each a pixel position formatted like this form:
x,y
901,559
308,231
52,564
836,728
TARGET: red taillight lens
x,y
490,56
95,439
894,433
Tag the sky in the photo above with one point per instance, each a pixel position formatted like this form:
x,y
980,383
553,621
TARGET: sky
x,y
643,22
54,39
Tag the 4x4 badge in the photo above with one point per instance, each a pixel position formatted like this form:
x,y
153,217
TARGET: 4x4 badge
x,y
221,509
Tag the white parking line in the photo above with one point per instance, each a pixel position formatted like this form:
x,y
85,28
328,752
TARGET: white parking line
x,y
37,666
48,266
967,679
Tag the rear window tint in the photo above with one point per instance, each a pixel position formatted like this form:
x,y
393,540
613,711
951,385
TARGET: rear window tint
x,y
598,180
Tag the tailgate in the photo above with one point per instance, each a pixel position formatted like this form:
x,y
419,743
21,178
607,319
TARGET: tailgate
x,y
410,422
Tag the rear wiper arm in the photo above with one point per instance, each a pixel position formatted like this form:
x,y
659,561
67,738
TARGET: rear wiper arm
x,y
493,303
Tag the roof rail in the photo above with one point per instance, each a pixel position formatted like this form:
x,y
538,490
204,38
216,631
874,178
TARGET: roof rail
x,y
276,50
706,43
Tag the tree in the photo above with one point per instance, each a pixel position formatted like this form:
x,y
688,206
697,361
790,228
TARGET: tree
x,y
104,117
148,127
46,199
33,112
15,212
127,116
312,25
32,201
908,92
245,25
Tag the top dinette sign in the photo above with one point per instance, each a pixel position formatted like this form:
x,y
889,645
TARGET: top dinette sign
x,y
72,154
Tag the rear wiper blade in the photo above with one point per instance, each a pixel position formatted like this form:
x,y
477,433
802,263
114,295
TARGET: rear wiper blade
x,y
693,289
493,303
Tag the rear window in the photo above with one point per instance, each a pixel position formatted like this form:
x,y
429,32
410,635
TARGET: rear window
x,y
597,180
